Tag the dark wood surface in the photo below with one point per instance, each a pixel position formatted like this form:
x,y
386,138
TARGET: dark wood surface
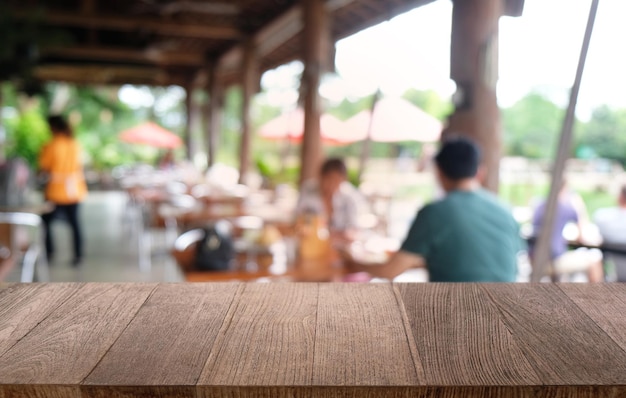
x,y
312,339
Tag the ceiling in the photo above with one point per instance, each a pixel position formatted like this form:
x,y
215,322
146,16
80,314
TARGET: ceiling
x,y
163,42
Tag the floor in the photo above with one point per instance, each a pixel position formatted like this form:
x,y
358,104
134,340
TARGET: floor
x,y
111,250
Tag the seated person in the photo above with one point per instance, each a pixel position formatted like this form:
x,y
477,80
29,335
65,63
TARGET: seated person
x,y
467,236
570,209
611,223
332,197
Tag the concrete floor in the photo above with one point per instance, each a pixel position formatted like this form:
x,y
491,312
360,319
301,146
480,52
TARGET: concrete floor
x,y
111,250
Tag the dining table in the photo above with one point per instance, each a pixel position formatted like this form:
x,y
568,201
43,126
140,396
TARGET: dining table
x,y
312,340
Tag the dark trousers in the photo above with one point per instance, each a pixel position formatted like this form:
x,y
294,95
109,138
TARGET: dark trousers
x,y
70,214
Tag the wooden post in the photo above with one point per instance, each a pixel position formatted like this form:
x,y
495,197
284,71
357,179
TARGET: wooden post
x,y
189,110
544,242
250,84
316,54
214,114
474,68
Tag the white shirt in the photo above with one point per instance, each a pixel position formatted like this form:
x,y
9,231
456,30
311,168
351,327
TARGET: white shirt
x,y
346,203
612,224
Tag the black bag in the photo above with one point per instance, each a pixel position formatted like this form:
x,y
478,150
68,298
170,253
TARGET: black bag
x,y
215,250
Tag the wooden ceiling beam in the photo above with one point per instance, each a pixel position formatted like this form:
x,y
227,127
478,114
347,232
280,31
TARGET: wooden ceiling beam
x,y
98,74
148,56
130,24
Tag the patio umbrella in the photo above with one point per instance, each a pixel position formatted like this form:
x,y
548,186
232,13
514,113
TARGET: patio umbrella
x,y
290,126
394,120
151,134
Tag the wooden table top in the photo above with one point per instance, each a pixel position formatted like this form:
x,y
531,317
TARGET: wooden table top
x,y
296,340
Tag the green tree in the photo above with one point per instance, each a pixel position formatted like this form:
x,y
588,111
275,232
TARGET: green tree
x,y
531,127
28,132
430,102
348,108
605,134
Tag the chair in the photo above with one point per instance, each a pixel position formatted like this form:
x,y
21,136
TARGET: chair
x,y
184,248
13,226
615,255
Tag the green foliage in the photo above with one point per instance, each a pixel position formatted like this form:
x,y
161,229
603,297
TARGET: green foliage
x,y
430,102
28,133
231,125
275,172
348,108
102,117
531,127
605,134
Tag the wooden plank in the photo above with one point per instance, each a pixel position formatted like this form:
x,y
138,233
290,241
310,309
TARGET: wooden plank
x,y
418,391
268,339
127,23
167,344
461,339
605,304
64,348
361,338
561,342
39,391
23,306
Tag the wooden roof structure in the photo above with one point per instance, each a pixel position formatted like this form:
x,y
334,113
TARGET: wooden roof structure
x,y
217,43
164,42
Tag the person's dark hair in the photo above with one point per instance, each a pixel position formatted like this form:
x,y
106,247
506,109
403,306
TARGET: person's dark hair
x,y
59,125
334,165
623,192
458,158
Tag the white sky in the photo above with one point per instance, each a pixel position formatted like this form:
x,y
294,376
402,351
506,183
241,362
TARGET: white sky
x,y
539,50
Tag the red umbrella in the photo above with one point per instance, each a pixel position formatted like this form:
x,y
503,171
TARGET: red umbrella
x,y
290,126
151,134
395,120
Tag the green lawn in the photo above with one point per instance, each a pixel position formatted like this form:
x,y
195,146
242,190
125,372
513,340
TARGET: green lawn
x,y
525,194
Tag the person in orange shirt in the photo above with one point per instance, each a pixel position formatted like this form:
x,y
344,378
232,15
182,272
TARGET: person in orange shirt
x,y
66,186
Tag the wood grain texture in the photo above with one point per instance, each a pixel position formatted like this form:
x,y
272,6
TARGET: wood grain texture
x,y
323,340
461,339
167,343
564,346
418,392
361,339
604,303
141,391
66,345
268,339
39,391
23,306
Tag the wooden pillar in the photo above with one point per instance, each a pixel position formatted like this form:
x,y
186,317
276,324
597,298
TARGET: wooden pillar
x,y
474,68
189,110
249,87
316,58
214,114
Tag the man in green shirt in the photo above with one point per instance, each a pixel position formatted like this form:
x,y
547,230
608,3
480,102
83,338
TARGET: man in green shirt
x,y
468,236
